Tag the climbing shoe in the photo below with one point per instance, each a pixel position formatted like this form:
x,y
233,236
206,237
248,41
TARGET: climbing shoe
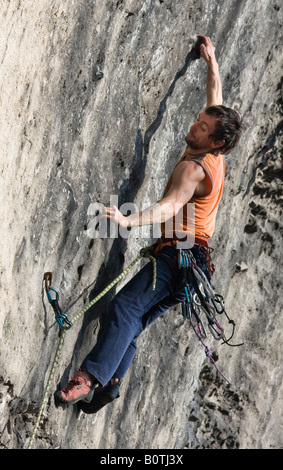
x,y
77,389
100,398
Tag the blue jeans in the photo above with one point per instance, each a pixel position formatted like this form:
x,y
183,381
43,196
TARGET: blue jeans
x,y
134,307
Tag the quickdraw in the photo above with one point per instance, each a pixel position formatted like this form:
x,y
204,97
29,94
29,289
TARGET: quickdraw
x,y
201,301
60,317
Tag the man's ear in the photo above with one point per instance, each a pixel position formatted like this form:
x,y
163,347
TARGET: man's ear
x,y
218,144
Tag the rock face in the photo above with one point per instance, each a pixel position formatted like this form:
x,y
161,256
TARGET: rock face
x,y
96,98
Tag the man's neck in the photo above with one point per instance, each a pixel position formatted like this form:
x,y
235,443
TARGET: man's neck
x,y
200,151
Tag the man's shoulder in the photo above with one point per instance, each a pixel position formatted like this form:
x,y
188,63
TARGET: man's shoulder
x,y
190,170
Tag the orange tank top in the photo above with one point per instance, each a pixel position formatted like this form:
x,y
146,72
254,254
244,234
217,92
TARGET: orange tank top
x,y
205,208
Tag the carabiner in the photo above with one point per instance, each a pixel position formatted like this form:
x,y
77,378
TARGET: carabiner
x,y
48,279
218,299
200,324
216,330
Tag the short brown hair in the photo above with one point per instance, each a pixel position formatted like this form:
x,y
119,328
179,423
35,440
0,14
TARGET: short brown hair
x,y
228,126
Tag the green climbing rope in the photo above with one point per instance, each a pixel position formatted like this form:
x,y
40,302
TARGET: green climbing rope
x,y
144,253
46,390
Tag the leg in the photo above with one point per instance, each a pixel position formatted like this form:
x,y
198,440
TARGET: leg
x,y
121,326
125,320
155,312
105,395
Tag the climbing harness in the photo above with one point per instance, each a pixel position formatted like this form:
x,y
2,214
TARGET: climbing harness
x,y
202,304
65,324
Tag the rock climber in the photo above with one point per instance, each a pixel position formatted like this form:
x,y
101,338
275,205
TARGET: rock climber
x,y
197,179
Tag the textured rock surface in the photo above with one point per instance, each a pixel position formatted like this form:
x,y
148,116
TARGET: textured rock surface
x,y
95,100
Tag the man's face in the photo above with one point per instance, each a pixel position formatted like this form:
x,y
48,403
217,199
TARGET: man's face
x,y
200,131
